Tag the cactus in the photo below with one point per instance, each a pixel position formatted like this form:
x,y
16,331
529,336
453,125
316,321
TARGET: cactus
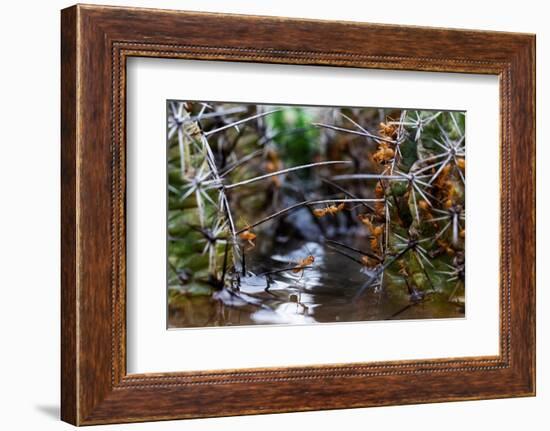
x,y
398,188
420,164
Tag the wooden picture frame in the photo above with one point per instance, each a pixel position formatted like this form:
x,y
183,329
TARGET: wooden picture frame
x,y
95,43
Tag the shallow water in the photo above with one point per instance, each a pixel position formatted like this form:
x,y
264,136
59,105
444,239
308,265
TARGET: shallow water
x,y
327,292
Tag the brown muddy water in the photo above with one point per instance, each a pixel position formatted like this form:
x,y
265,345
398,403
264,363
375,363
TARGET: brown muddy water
x,y
327,292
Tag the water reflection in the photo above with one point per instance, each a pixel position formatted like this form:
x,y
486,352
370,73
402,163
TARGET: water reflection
x,y
326,291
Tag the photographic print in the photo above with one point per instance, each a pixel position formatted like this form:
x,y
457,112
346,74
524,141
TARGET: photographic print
x,y
308,214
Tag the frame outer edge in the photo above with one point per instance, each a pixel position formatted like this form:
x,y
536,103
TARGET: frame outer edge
x,y
87,397
523,218
69,211
533,54
532,101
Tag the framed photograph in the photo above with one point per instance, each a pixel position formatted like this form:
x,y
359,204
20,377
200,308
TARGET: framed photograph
x,y
283,215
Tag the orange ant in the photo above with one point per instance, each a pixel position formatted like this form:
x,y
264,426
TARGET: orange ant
x,y
379,193
303,263
332,210
248,236
388,130
384,153
376,231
